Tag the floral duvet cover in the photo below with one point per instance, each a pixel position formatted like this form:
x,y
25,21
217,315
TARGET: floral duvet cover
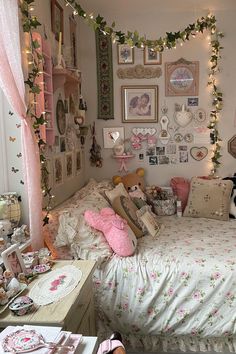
x,y
177,292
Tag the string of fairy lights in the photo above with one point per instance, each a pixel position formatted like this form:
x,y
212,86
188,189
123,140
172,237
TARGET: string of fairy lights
x,y
35,64
98,23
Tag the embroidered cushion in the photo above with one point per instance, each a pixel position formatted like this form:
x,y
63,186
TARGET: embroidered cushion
x,y
209,199
124,207
116,192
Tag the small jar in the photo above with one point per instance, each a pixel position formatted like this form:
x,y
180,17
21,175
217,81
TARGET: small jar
x,y
179,208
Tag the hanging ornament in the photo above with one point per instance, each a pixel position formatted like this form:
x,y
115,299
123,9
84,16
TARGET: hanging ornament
x,y
95,151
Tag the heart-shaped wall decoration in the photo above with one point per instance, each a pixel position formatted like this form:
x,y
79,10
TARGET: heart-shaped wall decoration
x,y
198,153
183,117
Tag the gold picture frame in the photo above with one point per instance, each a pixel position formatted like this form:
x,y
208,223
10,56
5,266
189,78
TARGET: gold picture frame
x,y
151,57
182,78
139,103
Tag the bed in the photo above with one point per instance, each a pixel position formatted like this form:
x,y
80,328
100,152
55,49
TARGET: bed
x,y
177,292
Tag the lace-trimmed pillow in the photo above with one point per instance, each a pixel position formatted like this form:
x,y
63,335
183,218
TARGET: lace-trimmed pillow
x,y
209,199
84,241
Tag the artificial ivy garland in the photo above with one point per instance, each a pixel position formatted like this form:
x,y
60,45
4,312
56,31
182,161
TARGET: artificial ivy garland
x,y
30,23
168,42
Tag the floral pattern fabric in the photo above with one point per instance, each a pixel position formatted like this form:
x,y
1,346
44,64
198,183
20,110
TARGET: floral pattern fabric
x,y
177,292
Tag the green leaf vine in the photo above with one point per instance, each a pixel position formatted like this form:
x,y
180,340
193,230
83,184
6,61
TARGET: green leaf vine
x,y
168,42
30,24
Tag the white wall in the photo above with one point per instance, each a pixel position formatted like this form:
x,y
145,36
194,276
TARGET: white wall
x,y
10,147
154,18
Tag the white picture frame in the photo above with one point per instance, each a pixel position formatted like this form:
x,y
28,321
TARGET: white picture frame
x,y
112,135
125,54
78,161
13,260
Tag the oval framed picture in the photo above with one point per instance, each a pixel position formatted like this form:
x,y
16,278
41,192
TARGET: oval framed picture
x,y
200,115
61,117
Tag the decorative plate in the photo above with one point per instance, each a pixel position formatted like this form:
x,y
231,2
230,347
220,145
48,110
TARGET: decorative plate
x,y
41,268
200,115
188,138
22,341
178,137
55,285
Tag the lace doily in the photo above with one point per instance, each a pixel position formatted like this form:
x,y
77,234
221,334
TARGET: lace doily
x,y
55,285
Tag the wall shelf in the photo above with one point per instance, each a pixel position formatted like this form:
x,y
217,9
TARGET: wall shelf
x,y
68,79
123,159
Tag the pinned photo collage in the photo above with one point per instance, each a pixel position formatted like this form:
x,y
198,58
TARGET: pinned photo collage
x,y
166,155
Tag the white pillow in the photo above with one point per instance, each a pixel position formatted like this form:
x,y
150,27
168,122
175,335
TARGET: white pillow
x,y
84,241
117,192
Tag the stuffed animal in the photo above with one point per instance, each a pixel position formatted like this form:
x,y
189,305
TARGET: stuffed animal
x,y
5,228
115,229
133,183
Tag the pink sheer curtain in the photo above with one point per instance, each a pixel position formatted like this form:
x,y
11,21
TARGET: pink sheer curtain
x,y
12,84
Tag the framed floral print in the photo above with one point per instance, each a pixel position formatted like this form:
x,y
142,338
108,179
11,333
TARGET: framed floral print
x,y
152,57
182,78
139,104
125,54
69,170
58,168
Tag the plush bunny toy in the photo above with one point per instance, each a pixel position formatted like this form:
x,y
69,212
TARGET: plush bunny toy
x,y
115,229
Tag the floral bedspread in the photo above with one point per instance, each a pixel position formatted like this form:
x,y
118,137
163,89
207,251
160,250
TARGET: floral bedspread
x,y
177,291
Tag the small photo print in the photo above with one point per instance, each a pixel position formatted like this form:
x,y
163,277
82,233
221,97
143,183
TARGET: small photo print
x,y
164,160
193,101
140,156
173,160
183,156
171,149
153,160
150,151
183,148
160,150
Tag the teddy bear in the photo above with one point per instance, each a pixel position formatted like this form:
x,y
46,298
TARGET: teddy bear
x,y
115,229
133,183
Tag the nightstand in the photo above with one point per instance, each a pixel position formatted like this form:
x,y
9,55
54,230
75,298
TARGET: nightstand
x,y
74,313
88,345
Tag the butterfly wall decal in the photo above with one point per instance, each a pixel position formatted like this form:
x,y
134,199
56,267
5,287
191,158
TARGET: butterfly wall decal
x,y
15,170
12,139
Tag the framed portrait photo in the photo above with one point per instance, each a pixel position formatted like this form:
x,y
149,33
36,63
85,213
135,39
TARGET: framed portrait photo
x,y
69,170
152,57
112,135
57,19
58,168
139,104
125,54
182,78
13,260
78,161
